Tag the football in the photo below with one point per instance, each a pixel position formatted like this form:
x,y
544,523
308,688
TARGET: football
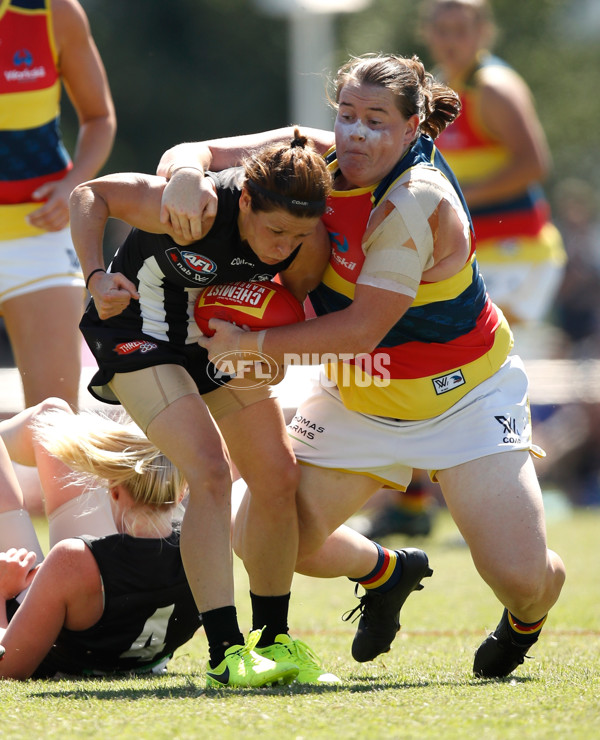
x,y
259,305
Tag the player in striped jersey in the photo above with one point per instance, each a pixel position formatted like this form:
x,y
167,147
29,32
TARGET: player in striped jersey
x,y
140,326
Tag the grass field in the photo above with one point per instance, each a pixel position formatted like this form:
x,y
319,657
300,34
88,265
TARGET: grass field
x,y
423,688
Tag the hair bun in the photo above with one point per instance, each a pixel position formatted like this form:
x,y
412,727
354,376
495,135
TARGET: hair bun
x,y
298,140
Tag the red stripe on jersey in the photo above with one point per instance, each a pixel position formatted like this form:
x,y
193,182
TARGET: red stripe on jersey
x,y
503,225
20,191
418,360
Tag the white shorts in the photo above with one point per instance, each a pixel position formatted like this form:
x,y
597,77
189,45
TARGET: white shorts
x,y
38,262
523,290
492,418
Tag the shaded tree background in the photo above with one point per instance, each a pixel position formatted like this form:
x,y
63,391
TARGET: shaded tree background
x,y
194,69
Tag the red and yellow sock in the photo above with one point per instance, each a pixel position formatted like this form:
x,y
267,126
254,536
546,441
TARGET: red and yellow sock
x,y
385,575
524,633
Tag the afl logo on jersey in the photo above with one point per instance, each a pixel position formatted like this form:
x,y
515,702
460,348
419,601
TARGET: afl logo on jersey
x,y
194,267
199,263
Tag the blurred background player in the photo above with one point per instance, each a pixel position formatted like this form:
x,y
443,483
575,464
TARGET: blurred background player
x,y
45,44
498,151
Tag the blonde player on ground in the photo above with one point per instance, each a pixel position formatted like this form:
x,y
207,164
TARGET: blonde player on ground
x,y
111,596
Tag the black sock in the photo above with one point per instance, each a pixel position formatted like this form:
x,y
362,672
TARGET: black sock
x,y
222,631
270,612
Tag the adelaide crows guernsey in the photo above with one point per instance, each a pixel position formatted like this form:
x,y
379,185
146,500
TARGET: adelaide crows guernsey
x,y
513,229
451,338
31,149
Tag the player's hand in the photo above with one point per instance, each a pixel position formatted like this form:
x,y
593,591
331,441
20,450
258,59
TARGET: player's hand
x,y
224,342
53,215
16,571
189,204
112,293
225,354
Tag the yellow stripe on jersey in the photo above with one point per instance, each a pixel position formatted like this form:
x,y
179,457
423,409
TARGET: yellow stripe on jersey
x,y
473,164
336,282
445,290
51,37
29,109
12,221
351,193
412,399
547,246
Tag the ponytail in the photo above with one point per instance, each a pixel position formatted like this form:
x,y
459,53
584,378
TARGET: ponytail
x,y
292,176
416,91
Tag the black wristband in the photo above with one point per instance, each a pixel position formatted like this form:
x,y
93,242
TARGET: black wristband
x,y
93,272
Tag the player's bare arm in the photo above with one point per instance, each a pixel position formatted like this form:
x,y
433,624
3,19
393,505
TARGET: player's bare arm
x,y
507,111
187,204
85,81
306,271
66,592
131,197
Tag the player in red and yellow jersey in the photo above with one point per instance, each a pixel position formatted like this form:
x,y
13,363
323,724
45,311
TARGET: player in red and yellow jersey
x,y
44,44
498,152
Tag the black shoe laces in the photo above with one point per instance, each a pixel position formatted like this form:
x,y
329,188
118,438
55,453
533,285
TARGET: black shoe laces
x,y
361,607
